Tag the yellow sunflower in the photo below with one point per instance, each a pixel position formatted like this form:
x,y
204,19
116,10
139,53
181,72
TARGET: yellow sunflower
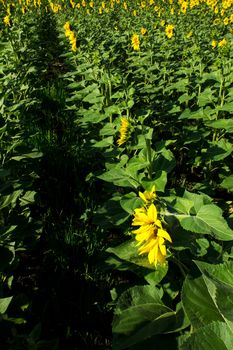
x,y
150,235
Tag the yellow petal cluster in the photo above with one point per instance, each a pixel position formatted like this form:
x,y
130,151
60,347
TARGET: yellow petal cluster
x,y
54,7
135,42
222,43
70,35
214,44
148,196
124,128
150,235
169,30
7,20
143,31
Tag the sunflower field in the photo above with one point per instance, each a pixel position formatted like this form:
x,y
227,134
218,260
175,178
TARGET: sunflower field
x,y
116,206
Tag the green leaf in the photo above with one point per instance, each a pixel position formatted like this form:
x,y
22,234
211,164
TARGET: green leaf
x,y
34,336
206,97
129,251
91,116
164,161
180,85
27,198
159,180
221,276
136,312
182,205
140,314
226,124
218,150
4,303
111,213
4,172
198,199
108,129
10,199
94,97
208,220
209,297
213,75
228,107
108,141
135,164
205,114
32,155
157,275
130,201
199,302
228,183
214,336
120,177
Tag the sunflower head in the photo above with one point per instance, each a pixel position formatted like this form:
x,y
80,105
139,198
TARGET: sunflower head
x,y
148,196
150,235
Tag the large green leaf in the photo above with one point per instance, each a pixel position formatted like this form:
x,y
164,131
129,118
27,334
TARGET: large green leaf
x,y
226,124
218,150
214,336
121,177
129,251
94,97
90,116
208,220
221,276
199,303
106,142
209,297
140,314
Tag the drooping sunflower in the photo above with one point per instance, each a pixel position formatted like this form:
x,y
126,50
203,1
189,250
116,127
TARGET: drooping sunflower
x,y
222,43
150,235
124,128
67,28
148,196
7,21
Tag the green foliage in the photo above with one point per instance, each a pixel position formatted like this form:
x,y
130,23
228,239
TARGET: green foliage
x,y
69,188
207,302
140,314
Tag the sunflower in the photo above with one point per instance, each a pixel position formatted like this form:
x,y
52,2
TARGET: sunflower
x,y
135,42
222,43
124,128
143,31
148,196
214,44
169,30
7,21
150,235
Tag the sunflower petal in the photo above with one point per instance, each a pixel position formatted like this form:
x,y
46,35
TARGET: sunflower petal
x,y
164,234
152,213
